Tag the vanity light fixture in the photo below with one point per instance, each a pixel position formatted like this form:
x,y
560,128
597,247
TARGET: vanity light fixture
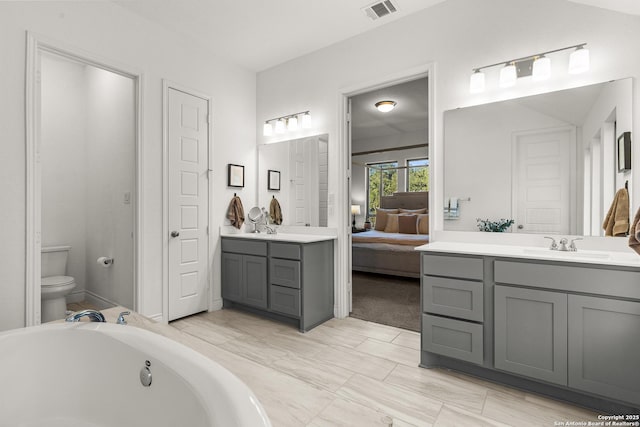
x,y
538,66
508,75
289,122
541,68
476,83
385,106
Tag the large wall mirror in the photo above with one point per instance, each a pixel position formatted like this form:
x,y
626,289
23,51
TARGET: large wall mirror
x,y
295,173
549,162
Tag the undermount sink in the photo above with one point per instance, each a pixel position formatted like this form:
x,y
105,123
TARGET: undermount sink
x,y
566,254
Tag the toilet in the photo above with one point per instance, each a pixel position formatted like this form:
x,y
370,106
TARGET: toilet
x,y
54,284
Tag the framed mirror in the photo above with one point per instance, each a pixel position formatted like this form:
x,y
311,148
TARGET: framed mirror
x,y
295,172
549,161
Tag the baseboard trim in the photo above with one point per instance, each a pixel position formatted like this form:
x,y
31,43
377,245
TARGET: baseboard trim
x,y
100,302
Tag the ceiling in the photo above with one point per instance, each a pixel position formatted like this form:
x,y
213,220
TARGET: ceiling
x,y
259,34
409,115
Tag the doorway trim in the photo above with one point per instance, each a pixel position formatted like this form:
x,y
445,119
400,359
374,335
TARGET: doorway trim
x,y
36,44
343,256
166,85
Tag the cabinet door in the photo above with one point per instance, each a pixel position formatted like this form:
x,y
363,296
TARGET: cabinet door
x,y
604,347
531,333
254,269
232,277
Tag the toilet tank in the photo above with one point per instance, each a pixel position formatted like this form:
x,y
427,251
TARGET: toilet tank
x,y
53,260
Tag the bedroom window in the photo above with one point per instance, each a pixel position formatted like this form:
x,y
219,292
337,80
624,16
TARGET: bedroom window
x,y
418,175
383,181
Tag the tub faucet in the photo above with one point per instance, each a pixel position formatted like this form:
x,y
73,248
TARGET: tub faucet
x,y
94,315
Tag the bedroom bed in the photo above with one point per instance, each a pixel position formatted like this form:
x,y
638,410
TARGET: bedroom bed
x,y
390,247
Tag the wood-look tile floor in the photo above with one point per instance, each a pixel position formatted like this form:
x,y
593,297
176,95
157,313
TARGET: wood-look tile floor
x,y
350,372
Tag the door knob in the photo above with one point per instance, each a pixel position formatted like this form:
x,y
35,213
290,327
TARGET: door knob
x,y
175,233
520,227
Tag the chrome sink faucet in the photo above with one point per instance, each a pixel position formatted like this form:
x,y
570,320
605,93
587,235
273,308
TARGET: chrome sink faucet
x,y
271,229
93,315
562,244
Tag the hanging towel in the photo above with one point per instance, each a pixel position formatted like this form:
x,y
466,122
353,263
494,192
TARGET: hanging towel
x,y
236,212
616,223
634,233
275,212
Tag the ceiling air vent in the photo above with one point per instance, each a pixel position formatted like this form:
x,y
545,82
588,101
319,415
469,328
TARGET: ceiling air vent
x,y
380,9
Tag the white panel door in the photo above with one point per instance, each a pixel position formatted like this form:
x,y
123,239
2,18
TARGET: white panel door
x,y
542,170
299,185
188,151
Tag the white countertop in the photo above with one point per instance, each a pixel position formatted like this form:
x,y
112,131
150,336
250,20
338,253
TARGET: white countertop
x,y
625,259
282,237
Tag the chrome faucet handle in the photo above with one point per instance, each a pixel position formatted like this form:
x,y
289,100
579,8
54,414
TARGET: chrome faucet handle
x,y
121,320
93,315
554,245
572,246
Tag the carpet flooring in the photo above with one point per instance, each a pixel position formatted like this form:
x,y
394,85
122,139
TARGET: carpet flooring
x,y
388,300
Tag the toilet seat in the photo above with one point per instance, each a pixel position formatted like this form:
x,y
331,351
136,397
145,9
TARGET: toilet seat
x,y
56,281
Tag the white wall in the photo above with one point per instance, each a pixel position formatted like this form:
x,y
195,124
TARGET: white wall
x,y
64,171
106,30
110,160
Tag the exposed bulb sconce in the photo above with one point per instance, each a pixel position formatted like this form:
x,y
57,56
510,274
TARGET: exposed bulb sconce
x,y
538,66
291,123
385,106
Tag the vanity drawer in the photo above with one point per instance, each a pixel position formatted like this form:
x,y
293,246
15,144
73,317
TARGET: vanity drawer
x,y
285,250
597,280
244,246
284,272
284,300
453,297
452,266
453,338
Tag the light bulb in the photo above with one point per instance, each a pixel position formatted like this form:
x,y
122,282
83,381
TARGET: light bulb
x,y
476,82
267,130
306,120
292,123
508,75
579,61
541,69
280,128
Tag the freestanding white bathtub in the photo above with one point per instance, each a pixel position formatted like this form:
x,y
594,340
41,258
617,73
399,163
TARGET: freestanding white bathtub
x,y
89,374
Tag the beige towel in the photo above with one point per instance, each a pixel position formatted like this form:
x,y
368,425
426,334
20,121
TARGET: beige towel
x,y
634,234
275,212
616,223
236,212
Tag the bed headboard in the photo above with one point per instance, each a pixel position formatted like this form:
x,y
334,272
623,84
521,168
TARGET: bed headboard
x,y
406,200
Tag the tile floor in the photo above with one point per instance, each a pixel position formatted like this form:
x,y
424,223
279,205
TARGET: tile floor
x,y
349,372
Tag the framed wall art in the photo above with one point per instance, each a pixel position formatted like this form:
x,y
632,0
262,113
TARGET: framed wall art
x,y
273,180
235,176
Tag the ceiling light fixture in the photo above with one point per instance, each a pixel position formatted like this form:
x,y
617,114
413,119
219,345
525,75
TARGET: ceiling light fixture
x,y
385,106
538,66
289,122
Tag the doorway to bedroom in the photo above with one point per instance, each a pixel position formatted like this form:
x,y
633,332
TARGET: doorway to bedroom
x,y
389,201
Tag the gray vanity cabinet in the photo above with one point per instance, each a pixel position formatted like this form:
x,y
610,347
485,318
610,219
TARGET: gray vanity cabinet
x,y
604,347
286,281
531,333
244,275
452,306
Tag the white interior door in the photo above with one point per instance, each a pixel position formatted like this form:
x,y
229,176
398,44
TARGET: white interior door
x,y
543,165
298,184
188,152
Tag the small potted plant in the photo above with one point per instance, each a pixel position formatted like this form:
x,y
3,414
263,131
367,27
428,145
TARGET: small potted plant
x,y
494,226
